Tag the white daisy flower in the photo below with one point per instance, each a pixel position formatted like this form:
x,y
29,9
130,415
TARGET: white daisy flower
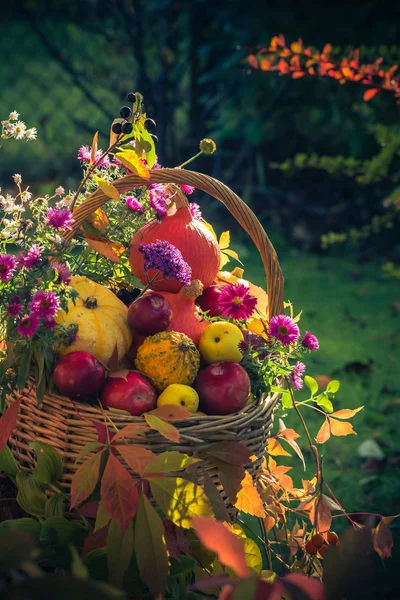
x,y
60,190
31,133
19,130
13,115
17,178
26,196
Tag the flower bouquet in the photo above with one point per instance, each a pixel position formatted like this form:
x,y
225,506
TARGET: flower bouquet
x,y
119,318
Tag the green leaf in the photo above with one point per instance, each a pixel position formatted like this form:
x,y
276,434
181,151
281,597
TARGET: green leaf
x,y
102,517
119,552
31,526
168,462
24,367
333,386
323,401
8,464
106,187
55,506
311,384
31,496
286,401
78,567
58,531
165,429
49,465
150,548
90,447
180,500
85,479
146,142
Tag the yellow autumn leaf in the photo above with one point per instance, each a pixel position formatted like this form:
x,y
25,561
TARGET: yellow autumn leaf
x,y
248,499
251,549
108,188
131,161
224,240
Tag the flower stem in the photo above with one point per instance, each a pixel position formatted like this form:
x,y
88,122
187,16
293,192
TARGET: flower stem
x,y
190,160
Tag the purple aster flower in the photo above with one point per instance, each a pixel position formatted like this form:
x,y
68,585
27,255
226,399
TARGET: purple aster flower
x,y
284,329
14,307
60,218
186,189
195,211
236,302
28,326
157,198
166,258
44,305
297,375
64,274
85,153
309,341
49,323
134,204
33,256
7,267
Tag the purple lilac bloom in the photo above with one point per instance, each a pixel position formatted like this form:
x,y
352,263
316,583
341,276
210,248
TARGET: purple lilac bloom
x,y
85,153
44,305
64,274
309,341
195,211
157,198
134,204
166,258
14,307
7,267
284,329
60,218
297,375
33,256
236,302
28,326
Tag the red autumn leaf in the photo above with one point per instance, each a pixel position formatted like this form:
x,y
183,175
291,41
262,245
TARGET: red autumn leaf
x,y
345,413
248,499
311,587
234,453
217,538
324,433
275,449
132,431
119,493
252,60
341,427
95,539
369,94
136,457
8,421
165,429
103,433
85,479
231,477
383,540
171,413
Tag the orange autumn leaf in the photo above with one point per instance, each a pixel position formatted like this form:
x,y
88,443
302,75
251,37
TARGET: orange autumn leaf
x,y
369,94
341,427
275,449
279,473
248,499
383,540
346,413
109,249
297,74
287,433
324,433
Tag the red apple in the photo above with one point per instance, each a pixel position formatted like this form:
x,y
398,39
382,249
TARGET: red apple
x,y
208,301
149,314
223,388
130,391
255,342
79,375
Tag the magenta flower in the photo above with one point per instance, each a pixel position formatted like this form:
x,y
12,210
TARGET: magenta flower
x,y
44,305
7,267
49,323
297,375
309,341
64,274
134,204
84,155
195,211
158,197
284,329
167,259
186,189
33,256
14,307
28,326
60,218
236,302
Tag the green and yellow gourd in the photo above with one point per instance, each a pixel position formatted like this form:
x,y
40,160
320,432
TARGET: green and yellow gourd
x,y
102,321
168,357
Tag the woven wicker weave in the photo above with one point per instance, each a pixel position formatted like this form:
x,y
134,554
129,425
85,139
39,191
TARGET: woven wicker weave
x,y
68,426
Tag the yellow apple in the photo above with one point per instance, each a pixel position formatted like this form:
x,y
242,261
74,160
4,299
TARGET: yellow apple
x,y
220,342
179,395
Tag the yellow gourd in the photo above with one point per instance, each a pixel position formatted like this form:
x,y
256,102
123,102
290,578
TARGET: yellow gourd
x,y
102,320
168,357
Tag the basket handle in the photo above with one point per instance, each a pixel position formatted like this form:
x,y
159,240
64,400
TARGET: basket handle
x,y
239,209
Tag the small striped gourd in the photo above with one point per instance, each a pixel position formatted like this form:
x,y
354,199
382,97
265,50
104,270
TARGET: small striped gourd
x,y
168,357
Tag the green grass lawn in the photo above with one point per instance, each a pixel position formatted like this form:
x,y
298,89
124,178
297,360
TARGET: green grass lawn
x,y
348,306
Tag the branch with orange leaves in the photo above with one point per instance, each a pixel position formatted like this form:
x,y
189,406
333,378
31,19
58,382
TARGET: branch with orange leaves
x,y
297,60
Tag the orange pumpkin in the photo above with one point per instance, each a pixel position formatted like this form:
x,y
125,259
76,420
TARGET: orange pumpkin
x,y
184,311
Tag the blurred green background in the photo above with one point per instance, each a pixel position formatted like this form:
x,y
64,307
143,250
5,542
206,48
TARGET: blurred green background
x,y
67,68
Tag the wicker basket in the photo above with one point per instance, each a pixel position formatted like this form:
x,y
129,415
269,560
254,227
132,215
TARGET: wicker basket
x,y
69,427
